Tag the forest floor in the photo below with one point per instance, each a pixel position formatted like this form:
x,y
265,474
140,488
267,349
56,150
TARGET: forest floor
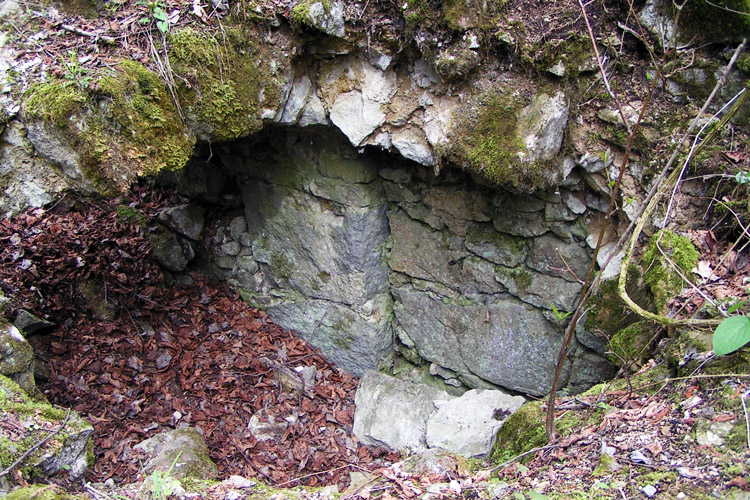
x,y
136,357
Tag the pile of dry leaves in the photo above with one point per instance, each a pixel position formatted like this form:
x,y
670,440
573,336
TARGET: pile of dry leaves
x,y
136,357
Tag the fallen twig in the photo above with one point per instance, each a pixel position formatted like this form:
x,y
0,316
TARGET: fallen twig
x,y
533,450
35,447
106,39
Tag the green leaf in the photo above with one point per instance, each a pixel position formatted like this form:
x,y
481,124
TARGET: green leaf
x,y
737,306
731,334
160,15
163,26
518,496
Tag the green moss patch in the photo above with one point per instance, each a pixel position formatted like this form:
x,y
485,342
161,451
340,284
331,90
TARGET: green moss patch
x,y
631,345
488,144
224,81
667,256
123,127
521,432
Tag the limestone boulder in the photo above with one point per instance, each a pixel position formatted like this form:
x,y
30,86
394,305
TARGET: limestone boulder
x,y
393,413
182,452
187,220
467,425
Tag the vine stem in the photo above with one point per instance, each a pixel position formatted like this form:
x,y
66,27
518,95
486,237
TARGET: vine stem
x,y
592,279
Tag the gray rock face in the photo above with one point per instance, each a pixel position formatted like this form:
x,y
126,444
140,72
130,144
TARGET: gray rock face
x,y
392,413
472,338
467,425
16,358
184,448
347,254
356,116
188,220
30,324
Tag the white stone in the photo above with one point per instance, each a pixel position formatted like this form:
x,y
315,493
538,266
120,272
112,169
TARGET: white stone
x,y
380,61
413,146
423,74
356,117
314,113
393,413
613,268
467,425
541,125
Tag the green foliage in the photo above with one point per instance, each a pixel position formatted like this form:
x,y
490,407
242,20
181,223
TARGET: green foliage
x,y
162,484
732,334
156,15
559,315
75,72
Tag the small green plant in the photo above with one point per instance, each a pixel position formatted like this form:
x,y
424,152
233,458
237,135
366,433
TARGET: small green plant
x,y
162,483
156,13
732,333
559,315
742,177
75,72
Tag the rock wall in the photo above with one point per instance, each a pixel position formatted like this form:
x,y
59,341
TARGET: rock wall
x,y
356,251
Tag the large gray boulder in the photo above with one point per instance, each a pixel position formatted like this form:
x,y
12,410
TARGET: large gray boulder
x,y
467,425
393,413
182,452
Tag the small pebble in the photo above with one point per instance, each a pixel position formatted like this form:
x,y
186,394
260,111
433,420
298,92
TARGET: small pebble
x,y
649,490
639,458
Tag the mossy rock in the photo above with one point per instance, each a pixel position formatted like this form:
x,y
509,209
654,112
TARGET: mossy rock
x,y
124,126
607,313
67,449
715,20
631,346
43,492
521,432
661,269
487,142
682,352
225,81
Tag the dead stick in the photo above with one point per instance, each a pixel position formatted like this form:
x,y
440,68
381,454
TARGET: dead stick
x,y
35,447
107,39
533,450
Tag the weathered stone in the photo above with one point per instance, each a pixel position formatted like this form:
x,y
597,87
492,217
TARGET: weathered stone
x,y
16,358
655,19
497,247
554,257
231,248
356,339
172,251
456,201
520,224
237,227
422,253
413,146
505,342
392,413
467,425
266,428
188,220
30,324
541,125
538,289
296,100
588,369
182,452
51,145
327,17
355,116
575,201
66,451
28,181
